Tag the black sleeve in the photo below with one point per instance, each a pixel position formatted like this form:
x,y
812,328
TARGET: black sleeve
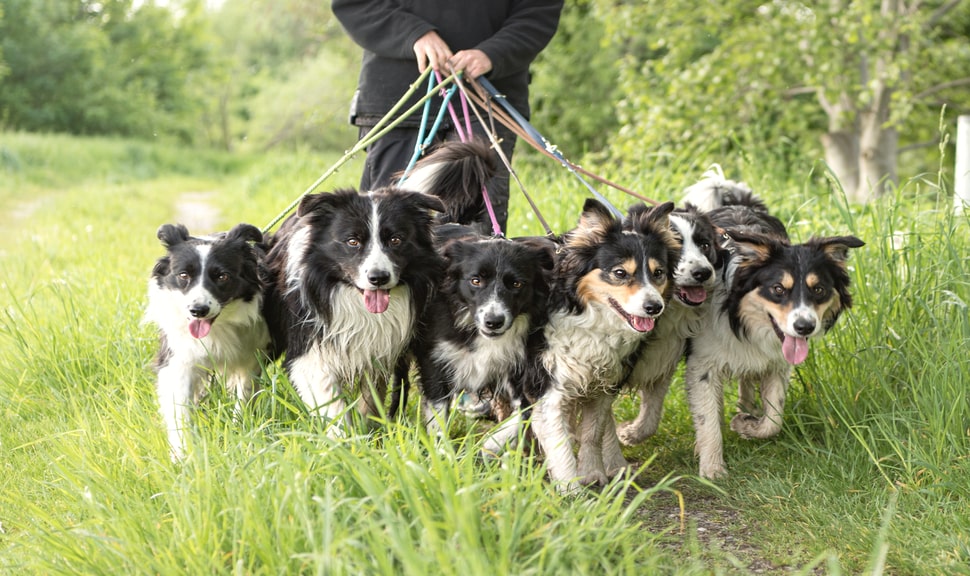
x,y
528,29
381,26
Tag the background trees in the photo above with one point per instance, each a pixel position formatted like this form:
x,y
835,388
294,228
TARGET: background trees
x,y
858,83
863,80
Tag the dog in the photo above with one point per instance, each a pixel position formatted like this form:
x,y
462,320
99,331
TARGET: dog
x,y
486,318
611,283
205,296
351,276
485,324
348,277
696,274
776,298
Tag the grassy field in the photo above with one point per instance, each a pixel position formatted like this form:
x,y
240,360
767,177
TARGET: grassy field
x,y
870,475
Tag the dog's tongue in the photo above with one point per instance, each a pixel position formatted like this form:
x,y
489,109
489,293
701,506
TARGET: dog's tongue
x,y
199,327
694,294
641,323
795,350
376,300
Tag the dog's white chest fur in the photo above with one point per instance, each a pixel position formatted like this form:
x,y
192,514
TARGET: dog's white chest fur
x,y
487,359
585,352
357,341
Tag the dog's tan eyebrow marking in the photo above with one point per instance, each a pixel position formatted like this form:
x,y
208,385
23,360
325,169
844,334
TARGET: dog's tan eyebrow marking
x,y
653,263
812,279
630,265
788,281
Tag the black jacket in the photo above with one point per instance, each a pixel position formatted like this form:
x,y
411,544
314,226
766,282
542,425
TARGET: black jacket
x,y
510,32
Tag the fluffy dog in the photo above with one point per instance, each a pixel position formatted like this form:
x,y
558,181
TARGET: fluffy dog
x,y
611,283
349,276
205,297
777,297
485,324
696,273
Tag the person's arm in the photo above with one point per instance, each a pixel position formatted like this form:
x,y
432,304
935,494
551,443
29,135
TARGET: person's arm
x,y
525,33
382,27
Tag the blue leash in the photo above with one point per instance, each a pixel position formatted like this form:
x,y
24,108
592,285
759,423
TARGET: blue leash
x,y
424,141
539,139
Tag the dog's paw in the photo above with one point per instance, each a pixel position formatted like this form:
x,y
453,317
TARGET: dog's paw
x,y
629,434
750,426
714,471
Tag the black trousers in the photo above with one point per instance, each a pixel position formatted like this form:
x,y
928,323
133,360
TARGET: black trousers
x,y
390,155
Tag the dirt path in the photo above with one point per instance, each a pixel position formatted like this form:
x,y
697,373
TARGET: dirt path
x,y
196,211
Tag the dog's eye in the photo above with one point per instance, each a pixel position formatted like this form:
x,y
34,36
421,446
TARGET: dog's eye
x,y
475,281
818,290
659,273
184,276
353,242
620,274
222,277
705,246
778,290
395,241
517,284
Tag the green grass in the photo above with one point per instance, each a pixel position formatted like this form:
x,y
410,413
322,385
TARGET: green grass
x,y
870,474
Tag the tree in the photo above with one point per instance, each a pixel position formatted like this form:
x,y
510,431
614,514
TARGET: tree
x,y
289,76
850,75
103,67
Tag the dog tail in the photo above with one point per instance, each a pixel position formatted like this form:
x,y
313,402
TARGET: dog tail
x,y
455,172
713,191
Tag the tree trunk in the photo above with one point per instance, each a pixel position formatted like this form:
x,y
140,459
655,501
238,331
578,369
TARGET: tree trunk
x,y
842,156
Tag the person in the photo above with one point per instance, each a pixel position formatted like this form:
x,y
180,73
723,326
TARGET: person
x,y
402,38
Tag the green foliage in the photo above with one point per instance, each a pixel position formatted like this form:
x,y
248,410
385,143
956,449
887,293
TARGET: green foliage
x,y
289,72
744,74
573,90
102,67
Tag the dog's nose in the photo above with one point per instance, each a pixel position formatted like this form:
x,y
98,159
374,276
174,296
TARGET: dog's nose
x,y
378,277
199,310
804,326
653,308
494,321
701,274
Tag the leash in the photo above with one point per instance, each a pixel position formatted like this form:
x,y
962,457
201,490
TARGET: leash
x,y
512,119
489,130
465,136
375,133
422,142
426,137
539,139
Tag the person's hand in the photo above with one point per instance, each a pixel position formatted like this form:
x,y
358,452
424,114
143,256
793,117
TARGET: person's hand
x,y
474,63
431,50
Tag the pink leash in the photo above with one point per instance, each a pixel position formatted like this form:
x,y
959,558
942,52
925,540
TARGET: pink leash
x,y
464,136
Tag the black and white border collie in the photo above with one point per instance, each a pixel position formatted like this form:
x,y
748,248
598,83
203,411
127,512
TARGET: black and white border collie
x,y
696,274
776,298
205,298
484,326
349,276
611,283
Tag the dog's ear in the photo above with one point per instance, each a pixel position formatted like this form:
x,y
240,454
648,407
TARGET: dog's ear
x,y
172,234
594,224
751,248
837,247
246,232
324,202
455,251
